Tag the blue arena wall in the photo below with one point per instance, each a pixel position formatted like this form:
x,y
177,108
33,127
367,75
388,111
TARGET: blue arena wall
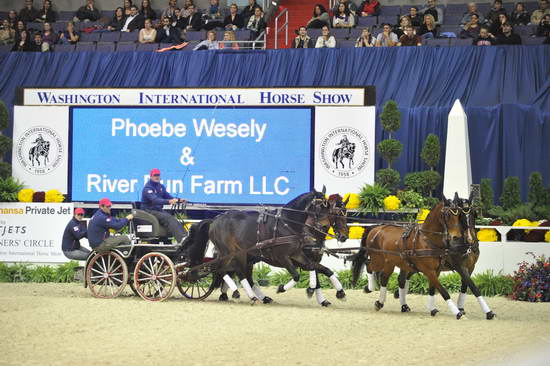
x,y
505,90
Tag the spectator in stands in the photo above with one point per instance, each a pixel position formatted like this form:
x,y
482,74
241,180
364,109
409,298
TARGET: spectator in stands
x,y
215,10
185,9
256,24
229,36
409,38
134,21
37,45
127,5
416,19
507,36
46,14
99,225
248,10
366,39
21,26
147,11
48,35
404,22
369,8
348,4
492,15
472,9
70,35
22,43
209,43
28,13
7,33
343,18
194,20
169,11
325,40
434,11
88,12
148,34
118,20
74,231
471,28
387,38
303,40
234,20
320,17
496,28
520,16
485,38
537,15
543,29
168,33
429,26
13,18
178,19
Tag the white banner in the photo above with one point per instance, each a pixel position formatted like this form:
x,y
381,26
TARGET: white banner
x,y
32,232
344,148
40,147
195,97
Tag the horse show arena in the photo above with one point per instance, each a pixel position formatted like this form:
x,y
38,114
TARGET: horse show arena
x,y
58,324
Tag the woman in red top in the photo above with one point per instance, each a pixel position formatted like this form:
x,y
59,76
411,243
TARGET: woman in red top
x,y
369,8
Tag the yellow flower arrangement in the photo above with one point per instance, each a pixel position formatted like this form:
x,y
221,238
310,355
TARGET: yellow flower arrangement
x,y
487,235
53,195
392,203
422,215
525,222
353,202
356,232
547,236
25,195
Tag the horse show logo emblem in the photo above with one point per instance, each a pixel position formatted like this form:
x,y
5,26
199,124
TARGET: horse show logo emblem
x,y
344,152
40,150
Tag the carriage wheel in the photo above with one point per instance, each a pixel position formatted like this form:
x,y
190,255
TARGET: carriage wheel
x,y
197,286
155,277
107,275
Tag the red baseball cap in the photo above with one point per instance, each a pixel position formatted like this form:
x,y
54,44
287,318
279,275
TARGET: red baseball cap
x,y
154,171
105,202
79,211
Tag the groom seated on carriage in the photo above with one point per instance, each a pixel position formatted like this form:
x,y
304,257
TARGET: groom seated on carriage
x,y
100,223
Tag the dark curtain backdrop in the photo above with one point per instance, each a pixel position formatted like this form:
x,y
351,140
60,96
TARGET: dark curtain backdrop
x,y
505,90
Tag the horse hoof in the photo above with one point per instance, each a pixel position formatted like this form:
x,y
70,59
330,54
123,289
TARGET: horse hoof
x,y
309,292
340,295
223,297
433,312
405,308
378,305
490,315
396,294
280,289
253,301
459,315
267,300
236,294
326,304
366,290
462,311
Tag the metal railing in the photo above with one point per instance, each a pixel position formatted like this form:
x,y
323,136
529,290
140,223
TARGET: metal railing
x,y
283,27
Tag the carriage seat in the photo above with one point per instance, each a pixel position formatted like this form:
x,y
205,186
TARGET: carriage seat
x,y
148,226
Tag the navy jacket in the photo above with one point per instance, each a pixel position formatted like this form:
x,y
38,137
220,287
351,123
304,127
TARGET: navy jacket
x,y
99,225
154,196
74,231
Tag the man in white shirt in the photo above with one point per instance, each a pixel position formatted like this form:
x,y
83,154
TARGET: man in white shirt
x,y
387,38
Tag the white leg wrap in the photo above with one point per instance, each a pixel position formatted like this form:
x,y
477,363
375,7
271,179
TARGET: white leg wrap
x,y
258,292
407,282
461,300
336,282
289,285
382,297
312,279
370,278
452,307
247,288
403,296
483,304
431,302
230,283
319,296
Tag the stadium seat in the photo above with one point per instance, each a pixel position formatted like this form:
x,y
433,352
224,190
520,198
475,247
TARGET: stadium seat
x,y
340,33
242,35
314,33
149,47
455,9
35,26
129,36
461,41
125,46
531,6
83,46
392,19
437,42
484,8
195,36
108,14
355,33
452,19
59,26
105,47
64,48
345,43
110,36
66,15
366,21
89,37
390,10
5,48
532,40
524,30
450,28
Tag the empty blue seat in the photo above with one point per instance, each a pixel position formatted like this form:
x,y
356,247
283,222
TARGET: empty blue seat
x,y
85,46
126,46
340,32
66,15
64,48
314,33
195,35
532,40
105,47
450,28
523,30
147,47
452,19
456,9
89,37
345,43
108,14
461,41
59,26
531,6
242,35
483,8
390,10
366,21
437,42
5,48
129,36
355,33
391,19
110,36
35,26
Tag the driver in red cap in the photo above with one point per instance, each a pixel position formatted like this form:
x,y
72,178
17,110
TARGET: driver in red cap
x,y
153,197
100,223
74,231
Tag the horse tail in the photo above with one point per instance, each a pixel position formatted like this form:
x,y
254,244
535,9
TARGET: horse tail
x,y
360,258
197,241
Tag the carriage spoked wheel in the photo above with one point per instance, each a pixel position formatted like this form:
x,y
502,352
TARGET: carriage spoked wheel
x,y
107,275
155,277
197,285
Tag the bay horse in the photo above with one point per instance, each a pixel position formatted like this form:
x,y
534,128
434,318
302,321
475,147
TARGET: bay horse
x,y
277,238
417,248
